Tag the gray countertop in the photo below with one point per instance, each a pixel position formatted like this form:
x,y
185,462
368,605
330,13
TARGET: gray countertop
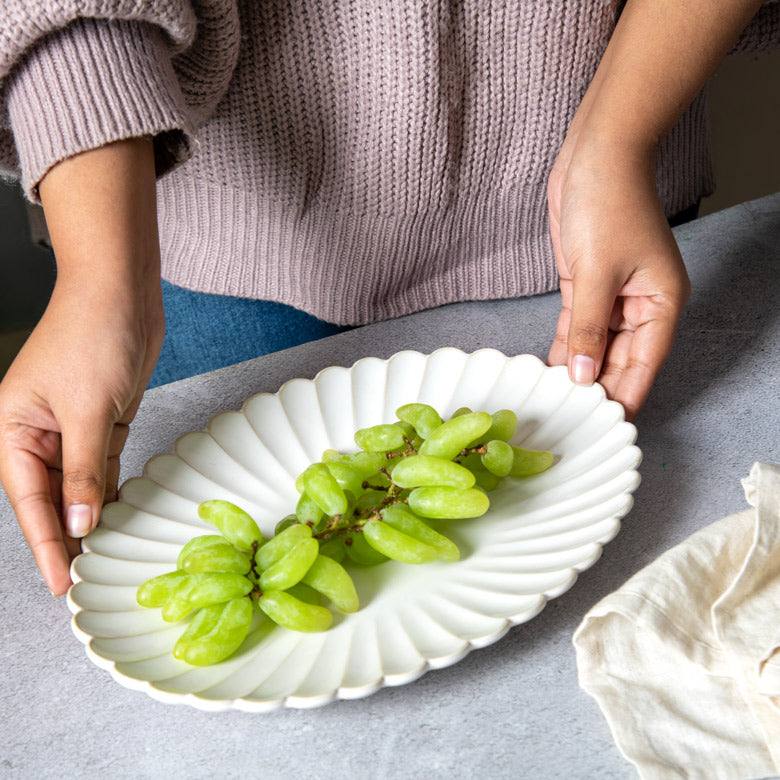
x,y
512,709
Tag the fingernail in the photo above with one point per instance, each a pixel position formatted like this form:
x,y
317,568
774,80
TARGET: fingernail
x,y
583,369
78,522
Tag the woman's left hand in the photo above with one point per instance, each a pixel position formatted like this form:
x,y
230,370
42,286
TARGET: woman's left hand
x,y
623,282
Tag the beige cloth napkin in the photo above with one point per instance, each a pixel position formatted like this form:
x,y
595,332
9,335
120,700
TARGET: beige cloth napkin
x,y
684,659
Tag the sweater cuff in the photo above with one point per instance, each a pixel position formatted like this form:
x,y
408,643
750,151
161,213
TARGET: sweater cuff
x,y
94,82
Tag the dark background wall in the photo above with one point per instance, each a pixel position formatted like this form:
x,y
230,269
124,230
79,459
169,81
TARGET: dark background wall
x,y
745,114
26,275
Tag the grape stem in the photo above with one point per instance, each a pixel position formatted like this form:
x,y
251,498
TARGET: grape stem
x,y
254,577
480,449
408,450
375,513
333,527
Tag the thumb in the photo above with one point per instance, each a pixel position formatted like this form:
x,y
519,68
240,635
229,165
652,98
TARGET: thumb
x,y
84,455
593,297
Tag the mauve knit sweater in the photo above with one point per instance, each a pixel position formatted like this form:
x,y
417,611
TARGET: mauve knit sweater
x,y
357,159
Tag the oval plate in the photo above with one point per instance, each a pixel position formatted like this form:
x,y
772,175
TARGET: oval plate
x,y
539,534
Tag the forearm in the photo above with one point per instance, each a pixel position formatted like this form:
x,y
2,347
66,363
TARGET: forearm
x,y
659,57
101,212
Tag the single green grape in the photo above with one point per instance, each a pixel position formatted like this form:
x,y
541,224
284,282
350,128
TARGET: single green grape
x,y
203,590
366,463
232,522
407,428
484,479
334,548
332,580
380,438
361,552
217,558
498,458
397,545
299,483
331,455
447,503
346,518
307,510
215,633
410,434
305,593
278,546
291,567
286,522
459,412
472,462
403,519
348,477
157,590
368,501
324,490
455,434
290,612
526,463
424,418
424,470
504,425
200,543
380,480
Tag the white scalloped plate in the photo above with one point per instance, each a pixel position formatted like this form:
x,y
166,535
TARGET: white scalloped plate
x,y
538,535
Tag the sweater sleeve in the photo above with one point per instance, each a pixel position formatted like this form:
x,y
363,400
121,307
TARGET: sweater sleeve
x,y
763,32
97,80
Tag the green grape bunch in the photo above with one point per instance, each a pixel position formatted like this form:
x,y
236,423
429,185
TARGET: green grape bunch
x,y
364,508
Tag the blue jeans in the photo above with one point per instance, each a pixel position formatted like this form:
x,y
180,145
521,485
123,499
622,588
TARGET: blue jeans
x,y
204,332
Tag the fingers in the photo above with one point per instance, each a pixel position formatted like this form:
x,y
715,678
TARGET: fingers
x,y
593,300
116,444
634,359
615,362
559,351
26,481
650,346
84,453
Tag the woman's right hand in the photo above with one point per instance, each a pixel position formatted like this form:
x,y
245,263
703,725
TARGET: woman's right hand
x,y
68,398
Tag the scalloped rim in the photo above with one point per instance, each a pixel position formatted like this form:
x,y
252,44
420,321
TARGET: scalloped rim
x,y
310,702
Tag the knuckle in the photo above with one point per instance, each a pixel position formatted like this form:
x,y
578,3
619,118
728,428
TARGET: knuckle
x,y
82,481
43,541
21,503
612,371
637,364
589,335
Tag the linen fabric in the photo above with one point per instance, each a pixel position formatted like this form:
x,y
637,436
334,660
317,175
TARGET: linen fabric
x,y
357,160
684,659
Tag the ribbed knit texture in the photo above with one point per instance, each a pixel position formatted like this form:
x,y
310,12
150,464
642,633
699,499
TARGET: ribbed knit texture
x,y
355,159
111,80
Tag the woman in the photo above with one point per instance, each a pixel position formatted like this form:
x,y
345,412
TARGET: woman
x,y
349,161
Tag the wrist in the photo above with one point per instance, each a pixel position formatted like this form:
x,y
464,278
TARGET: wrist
x,y
130,276
101,211
597,153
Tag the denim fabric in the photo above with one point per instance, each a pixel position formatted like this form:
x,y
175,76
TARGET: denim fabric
x,y
205,332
